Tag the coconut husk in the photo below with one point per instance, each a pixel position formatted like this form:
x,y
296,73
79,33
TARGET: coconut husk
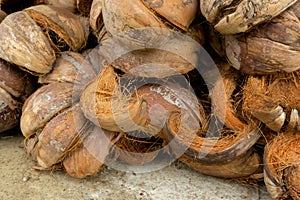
x,y
44,104
231,17
66,4
10,111
179,13
140,26
70,67
274,100
265,50
90,157
282,166
57,138
31,52
103,103
243,166
65,30
17,83
96,19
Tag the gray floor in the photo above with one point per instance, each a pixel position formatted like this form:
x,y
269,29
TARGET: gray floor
x,y
19,181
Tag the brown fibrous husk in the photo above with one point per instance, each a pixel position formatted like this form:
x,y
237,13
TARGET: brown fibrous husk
x,y
282,166
65,30
273,99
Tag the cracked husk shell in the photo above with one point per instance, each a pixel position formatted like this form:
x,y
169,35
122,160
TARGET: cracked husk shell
x,y
65,30
282,166
272,47
23,43
231,17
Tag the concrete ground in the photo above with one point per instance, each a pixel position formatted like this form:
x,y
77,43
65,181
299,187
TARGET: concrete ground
x,y
19,181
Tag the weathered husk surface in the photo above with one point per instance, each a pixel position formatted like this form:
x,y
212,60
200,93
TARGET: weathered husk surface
x,y
152,63
282,166
274,100
231,17
43,105
69,67
272,47
135,25
24,43
71,30
57,138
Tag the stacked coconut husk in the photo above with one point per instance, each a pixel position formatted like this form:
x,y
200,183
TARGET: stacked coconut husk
x,y
109,82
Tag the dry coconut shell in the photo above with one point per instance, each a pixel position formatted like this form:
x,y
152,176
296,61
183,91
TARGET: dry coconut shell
x,y
66,4
231,17
274,100
23,43
90,157
10,111
272,47
65,30
282,166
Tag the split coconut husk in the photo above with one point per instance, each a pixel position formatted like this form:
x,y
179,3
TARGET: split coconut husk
x,y
231,17
272,47
229,155
211,147
49,33
125,104
53,98
138,24
32,52
65,30
274,100
96,19
73,144
282,166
